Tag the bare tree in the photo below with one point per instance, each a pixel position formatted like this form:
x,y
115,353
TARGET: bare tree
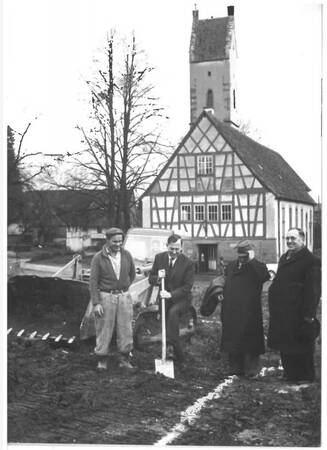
x,y
123,149
21,171
246,127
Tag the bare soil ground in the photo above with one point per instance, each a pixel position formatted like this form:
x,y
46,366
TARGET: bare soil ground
x,y
55,395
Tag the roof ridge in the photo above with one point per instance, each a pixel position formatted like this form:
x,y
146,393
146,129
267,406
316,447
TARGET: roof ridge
x,y
267,171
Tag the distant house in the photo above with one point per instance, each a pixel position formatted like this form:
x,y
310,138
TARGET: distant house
x,y
77,219
220,186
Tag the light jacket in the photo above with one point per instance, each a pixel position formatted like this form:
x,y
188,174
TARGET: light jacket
x,y
103,277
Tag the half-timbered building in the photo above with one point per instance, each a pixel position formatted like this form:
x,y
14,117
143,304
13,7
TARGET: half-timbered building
x,y
220,186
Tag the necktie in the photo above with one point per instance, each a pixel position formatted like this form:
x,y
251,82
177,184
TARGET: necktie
x,y
168,275
170,268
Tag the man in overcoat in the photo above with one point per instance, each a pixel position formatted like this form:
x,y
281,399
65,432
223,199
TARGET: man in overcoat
x,y
241,314
179,278
293,298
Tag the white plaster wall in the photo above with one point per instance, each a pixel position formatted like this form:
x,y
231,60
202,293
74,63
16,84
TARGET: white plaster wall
x,y
233,71
307,209
77,240
146,218
200,80
271,216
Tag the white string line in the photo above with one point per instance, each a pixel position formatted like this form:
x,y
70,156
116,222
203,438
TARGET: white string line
x,y
192,413
189,416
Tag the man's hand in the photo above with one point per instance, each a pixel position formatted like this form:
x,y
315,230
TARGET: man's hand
x,y
98,310
251,254
165,294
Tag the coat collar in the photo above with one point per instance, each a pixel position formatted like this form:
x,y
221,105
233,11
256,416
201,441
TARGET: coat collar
x,y
298,255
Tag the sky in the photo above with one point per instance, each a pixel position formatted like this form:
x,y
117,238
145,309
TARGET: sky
x,y
49,46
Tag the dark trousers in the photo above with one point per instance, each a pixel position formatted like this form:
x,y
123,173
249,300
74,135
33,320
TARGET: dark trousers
x,y
243,364
298,367
174,311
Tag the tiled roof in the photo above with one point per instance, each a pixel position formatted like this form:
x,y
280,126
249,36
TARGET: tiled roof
x,y
268,166
70,208
210,39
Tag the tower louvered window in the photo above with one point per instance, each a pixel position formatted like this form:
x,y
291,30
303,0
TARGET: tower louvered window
x,y
209,102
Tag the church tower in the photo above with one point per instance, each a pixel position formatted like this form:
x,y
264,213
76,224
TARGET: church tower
x,y
212,67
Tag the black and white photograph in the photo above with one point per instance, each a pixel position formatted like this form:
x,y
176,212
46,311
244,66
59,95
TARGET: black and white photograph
x,y
162,272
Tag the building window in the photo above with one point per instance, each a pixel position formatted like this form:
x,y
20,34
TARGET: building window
x,y
213,213
186,213
226,212
205,165
99,229
234,99
198,213
209,74
209,99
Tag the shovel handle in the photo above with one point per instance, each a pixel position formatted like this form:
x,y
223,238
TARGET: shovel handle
x,y
163,323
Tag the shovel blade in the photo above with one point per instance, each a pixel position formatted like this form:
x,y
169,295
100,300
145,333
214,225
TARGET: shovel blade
x,y
165,367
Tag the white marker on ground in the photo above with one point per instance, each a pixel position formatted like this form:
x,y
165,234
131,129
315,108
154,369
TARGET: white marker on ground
x,y
189,416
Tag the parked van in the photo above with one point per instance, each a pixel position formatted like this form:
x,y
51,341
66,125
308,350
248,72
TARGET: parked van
x,y
145,243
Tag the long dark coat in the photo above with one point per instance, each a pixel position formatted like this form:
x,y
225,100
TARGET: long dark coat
x,y
241,308
293,295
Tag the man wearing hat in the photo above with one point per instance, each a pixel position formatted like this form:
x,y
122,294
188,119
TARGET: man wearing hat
x,y
242,328
112,273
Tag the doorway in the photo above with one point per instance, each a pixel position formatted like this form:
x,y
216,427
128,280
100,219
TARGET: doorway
x,y
207,257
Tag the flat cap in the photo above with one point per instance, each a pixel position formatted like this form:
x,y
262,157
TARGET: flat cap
x,y
243,247
113,231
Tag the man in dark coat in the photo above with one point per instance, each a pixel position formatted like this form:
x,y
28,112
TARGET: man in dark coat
x,y
179,278
293,298
242,328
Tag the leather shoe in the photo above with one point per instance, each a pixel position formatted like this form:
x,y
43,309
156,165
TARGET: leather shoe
x,y
170,354
125,365
102,365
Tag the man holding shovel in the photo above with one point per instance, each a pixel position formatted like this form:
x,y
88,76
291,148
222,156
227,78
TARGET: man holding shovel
x,y
178,282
